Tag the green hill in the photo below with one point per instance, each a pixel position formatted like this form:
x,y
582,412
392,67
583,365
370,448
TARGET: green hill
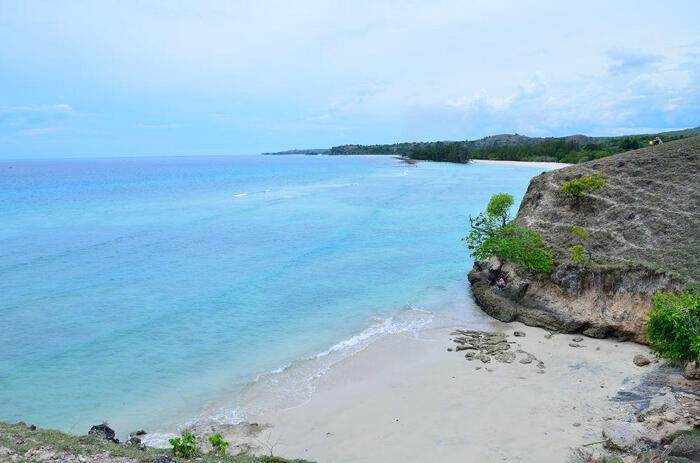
x,y
572,149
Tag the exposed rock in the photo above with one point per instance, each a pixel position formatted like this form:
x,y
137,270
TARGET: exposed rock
x,y
633,258
692,370
660,404
487,346
519,333
577,339
623,435
162,459
103,431
641,360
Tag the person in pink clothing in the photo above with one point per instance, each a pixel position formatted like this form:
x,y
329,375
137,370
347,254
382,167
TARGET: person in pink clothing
x,y
501,283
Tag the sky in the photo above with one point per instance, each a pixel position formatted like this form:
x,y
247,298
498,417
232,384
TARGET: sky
x,y
155,78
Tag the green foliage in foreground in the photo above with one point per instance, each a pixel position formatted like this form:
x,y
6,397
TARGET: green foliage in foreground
x,y
19,438
673,327
218,444
578,187
185,447
491,235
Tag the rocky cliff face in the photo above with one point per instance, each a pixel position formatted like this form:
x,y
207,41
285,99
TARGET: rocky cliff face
x,y
644,238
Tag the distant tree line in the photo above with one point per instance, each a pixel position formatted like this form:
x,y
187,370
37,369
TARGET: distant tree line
x,y
562,149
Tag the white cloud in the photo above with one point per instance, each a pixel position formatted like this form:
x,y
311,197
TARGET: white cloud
x,y
157,126
41,131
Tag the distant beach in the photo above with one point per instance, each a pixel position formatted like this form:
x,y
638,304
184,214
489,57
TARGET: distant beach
x,y
546,165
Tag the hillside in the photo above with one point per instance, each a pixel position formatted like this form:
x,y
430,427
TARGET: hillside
x,y
643,238
570,149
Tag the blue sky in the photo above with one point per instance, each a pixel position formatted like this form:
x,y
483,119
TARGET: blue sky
x,y
133,78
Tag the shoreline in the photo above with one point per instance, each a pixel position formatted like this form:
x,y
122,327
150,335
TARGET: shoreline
x,y
546,165
405,397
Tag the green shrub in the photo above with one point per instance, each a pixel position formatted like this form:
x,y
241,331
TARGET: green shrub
x,y
588,184
218,444
576,253
492,235
673,327
185,447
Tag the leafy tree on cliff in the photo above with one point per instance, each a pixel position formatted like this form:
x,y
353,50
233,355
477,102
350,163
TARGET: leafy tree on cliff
x,y
493,234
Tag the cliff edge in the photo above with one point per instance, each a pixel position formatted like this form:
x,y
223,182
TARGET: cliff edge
x,y
643,238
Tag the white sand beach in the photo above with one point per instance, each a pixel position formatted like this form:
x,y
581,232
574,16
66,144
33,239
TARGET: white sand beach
x,y
546,165
406,398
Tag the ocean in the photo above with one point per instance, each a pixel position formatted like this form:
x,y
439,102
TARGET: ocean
x,y
156,292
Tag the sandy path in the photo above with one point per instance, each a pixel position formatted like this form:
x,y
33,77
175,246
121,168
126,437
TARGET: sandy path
x,y
405,398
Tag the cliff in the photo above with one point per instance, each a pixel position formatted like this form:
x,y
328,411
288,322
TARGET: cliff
x,y
643,239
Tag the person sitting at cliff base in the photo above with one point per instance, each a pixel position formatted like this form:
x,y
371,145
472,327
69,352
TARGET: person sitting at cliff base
x,y
501,283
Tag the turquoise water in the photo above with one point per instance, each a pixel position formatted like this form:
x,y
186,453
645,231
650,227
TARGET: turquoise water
x,y
141,291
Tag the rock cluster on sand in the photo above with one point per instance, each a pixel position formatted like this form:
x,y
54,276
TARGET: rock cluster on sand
x,y
666,430
488,345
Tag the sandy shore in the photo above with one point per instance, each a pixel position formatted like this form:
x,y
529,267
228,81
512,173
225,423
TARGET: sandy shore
x,y
406,398
546,165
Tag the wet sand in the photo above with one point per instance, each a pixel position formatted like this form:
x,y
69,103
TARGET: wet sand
x,y
406,398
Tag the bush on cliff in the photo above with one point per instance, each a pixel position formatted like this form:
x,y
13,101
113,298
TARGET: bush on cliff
x,y
578,187
185,447
673,327
492,235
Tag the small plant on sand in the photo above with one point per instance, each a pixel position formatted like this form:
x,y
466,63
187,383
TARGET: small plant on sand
x,y
492,234
579,187
673,327
218,444
185,447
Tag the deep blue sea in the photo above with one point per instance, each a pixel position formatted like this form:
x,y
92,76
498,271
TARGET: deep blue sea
x,y
152,291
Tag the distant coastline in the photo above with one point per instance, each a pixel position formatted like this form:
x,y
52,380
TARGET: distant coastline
x,y
570,149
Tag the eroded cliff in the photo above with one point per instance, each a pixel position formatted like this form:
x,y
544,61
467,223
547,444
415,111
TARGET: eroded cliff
x,y
643,238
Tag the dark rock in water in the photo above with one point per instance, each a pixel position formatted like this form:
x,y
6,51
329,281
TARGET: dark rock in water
x,y
640,360
103,431
573,344
32,427
162,459
577,339
520,334
140,432
135,441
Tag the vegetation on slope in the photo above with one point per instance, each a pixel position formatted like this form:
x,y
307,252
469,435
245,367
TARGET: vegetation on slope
x,y
674,326
648,213
493,234
573,149
38,444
